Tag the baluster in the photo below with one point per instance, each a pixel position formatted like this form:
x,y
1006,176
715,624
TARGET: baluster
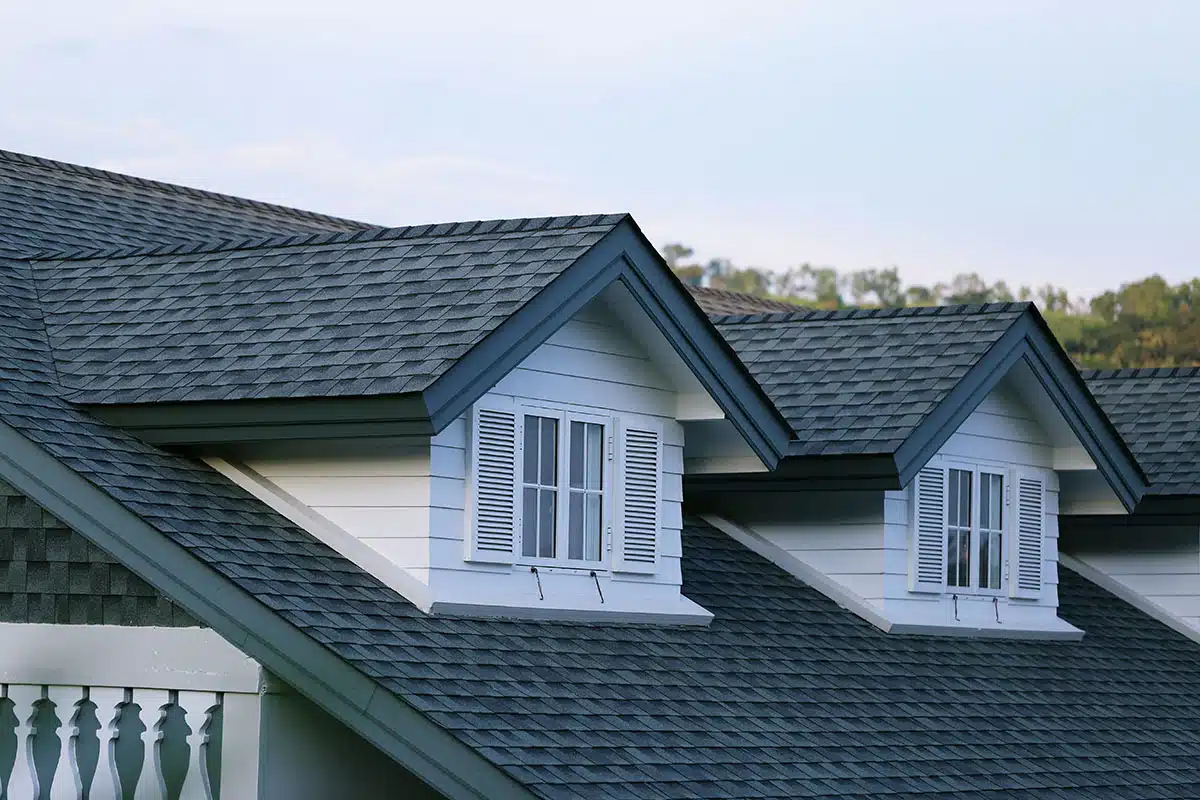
x,y
150,785
23,780
106,784
198,708
65,784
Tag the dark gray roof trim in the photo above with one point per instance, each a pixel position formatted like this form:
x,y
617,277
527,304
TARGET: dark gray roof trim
x,y
1030,340
623,255
405,734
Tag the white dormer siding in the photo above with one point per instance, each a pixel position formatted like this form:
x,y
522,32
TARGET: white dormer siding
x,y
864,543
414,503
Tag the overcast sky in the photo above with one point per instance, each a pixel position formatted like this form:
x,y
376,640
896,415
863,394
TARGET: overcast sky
x,y
1026,140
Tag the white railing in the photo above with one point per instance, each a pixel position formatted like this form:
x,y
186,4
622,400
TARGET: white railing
x,y
108,713
101,742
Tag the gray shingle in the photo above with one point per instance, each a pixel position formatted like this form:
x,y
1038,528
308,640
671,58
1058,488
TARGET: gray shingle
x,y
286,317
1157,412
860,381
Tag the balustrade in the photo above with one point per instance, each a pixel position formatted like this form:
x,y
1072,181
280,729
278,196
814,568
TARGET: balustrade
x,y
102,743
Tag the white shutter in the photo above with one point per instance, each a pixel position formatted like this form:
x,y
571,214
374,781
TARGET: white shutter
x,y
928,556
495,434
1025,554
639,471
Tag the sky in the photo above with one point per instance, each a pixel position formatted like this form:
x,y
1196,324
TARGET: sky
x,y
1030,141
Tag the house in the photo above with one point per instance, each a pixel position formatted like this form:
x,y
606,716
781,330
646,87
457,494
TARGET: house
x,y
301,507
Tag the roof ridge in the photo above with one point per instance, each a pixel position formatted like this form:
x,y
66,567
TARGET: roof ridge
x,y
814,314
1141,372
197,246
177,188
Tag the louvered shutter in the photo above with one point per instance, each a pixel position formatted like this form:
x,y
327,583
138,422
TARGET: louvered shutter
x,y
928,556
640,481
495,433
1025,554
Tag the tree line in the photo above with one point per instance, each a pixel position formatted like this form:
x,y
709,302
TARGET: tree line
x,y
1146,323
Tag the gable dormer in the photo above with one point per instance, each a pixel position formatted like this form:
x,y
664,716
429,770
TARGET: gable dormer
x,y
511,443
935,450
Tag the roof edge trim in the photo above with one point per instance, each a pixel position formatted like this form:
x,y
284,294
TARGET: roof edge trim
x,y
1030,340
400,731
622,255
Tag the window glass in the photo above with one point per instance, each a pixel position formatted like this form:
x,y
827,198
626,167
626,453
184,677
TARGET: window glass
x,y
958,529
586,490
539,504
991,530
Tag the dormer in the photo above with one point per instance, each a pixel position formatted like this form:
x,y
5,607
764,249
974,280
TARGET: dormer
x,y
935,448
492,418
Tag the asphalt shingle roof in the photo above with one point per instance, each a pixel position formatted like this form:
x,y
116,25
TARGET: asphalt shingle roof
x,y
50,205
1157,412
367,313
785,695
861,381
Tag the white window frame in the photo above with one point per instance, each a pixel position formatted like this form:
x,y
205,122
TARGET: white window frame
x,y
976,532
563,490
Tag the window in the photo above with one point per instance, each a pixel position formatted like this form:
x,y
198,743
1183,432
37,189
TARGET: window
x,y
557,487
563,489
974,530
966,536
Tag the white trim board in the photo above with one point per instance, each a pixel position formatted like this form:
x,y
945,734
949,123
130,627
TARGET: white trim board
x,y
1138,601
194,659
337,538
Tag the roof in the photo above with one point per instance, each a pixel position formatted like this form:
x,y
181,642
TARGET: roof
x,y
862,380
1157,412
717,302
52,205
785,695
386,311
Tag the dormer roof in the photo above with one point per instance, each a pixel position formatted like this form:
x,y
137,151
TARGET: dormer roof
x,y
1157,412
872,393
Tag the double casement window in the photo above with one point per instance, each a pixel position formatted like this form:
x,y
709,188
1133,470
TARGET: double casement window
x,y
562,488
972,535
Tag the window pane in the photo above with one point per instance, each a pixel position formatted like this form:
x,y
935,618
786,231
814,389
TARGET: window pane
x,y
995,573
529,521
595,456
997,496
548,461
547,504
952,558
952,506
964,498
985,504
576,461
531,448
575,526
592,528
985,554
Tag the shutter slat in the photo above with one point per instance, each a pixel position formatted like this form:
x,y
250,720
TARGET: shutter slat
x,y
641,469
1025,576
494,485
928,571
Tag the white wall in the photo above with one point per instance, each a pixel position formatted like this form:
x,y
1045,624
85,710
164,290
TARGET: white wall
x,y
1160,562
861,539
408,503
837,533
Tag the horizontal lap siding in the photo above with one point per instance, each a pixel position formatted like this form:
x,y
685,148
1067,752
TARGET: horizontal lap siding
x,y
384,500
1159,562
